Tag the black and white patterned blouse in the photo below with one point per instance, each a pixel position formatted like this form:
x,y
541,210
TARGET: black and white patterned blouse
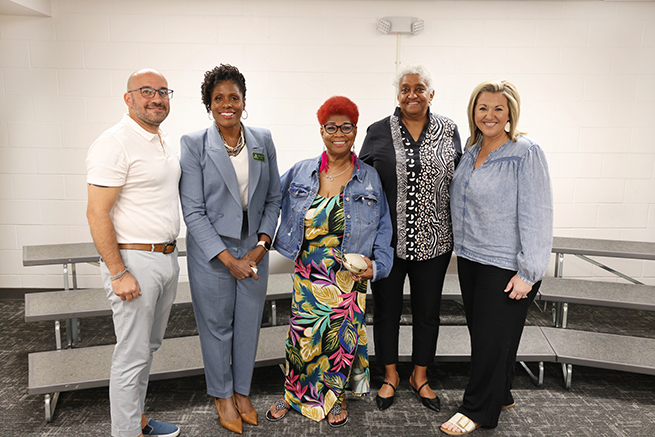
x,y
416,178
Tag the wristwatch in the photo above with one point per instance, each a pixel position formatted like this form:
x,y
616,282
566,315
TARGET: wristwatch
x,y
265,244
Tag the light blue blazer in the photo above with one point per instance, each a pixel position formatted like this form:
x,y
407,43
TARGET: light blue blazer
x,y
209,190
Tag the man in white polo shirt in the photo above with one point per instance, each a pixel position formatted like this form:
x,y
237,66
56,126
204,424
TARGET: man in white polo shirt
x,y
132,176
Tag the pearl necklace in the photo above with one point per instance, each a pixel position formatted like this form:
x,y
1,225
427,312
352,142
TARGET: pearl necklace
x,y
331,178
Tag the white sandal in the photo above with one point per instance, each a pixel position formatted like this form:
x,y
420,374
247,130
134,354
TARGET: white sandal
x,y
462,422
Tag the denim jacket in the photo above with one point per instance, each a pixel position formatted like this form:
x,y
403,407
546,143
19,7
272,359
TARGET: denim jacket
x,y
367,220
503,211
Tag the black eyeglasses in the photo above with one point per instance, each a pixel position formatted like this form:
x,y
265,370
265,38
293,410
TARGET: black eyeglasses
x,y
149,93
332,129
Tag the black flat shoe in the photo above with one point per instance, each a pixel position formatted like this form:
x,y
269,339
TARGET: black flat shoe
x,y
432,403
384,403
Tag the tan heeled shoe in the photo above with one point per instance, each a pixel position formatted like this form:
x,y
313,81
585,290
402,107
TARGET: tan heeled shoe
x,y
249,418
234,426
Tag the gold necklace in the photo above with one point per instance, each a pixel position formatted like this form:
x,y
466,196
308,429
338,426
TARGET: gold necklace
x,y
233,151
331,178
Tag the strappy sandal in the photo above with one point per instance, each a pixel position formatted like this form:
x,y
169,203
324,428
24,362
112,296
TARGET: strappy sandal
x,y
335,411
462,422
279,405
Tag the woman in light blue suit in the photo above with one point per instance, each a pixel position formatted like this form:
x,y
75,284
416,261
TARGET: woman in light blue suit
x,y
230,194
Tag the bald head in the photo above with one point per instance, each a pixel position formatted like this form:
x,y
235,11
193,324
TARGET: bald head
x,y
138,76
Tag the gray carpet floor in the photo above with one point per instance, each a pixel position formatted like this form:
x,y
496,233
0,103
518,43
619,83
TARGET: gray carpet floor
x,y
600,402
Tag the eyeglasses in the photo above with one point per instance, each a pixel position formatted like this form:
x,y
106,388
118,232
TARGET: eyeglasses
x,y
149,93
332,129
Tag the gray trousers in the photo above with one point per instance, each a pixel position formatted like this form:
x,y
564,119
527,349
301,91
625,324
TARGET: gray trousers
x,y
229,314
139,326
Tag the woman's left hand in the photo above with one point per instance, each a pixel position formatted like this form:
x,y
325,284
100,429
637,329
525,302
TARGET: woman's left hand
x,y
256,255
366,274
518,288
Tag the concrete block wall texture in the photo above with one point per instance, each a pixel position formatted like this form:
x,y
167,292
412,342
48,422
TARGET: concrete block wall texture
x,y
585,71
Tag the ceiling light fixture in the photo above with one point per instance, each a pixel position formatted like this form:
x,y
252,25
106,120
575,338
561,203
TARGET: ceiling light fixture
x,y
400,25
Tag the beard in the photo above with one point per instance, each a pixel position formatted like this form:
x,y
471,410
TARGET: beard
x,y
152,118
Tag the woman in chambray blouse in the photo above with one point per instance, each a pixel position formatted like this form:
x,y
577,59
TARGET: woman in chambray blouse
x,y
502,213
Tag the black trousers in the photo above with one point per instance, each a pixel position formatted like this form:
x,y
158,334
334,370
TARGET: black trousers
x,y
495,324
426,282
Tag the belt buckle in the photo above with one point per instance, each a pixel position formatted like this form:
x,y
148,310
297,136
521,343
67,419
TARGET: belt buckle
x,y
171,245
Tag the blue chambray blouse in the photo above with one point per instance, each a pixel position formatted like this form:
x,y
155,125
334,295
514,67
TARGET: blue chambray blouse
x,y
502,212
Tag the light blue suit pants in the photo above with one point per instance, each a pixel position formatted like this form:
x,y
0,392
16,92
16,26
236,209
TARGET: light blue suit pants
x,y
229,314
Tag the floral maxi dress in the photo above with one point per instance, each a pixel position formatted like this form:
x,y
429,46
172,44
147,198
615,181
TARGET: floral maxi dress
x,y
326,345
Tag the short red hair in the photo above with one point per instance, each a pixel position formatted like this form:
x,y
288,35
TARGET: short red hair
x,y
338,105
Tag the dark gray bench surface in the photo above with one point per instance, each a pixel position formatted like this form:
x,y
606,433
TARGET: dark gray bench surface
x,y
630,296
59,254
454,344
92,302
86,252
605,351
47,254
75,369
608,248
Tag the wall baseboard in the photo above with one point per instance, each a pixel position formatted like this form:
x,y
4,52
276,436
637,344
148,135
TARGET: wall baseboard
x,y
19,293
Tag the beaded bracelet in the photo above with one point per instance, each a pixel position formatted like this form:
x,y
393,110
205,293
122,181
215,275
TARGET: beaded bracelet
x,y
118,275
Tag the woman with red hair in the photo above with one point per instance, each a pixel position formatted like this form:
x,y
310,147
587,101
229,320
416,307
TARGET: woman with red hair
x,y
334,210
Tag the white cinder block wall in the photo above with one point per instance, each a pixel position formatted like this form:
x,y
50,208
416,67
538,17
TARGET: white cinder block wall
x,y
585,70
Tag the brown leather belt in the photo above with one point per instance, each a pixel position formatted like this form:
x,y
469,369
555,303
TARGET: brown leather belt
x,y
163,248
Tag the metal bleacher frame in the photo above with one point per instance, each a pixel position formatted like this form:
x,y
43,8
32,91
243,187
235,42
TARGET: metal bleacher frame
x,y
616,352
51,372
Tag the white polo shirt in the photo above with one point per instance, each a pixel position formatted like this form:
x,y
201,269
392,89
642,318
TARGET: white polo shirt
x,y
128,156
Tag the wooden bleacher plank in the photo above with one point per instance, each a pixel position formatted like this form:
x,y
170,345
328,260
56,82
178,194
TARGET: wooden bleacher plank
x,y
609,294
605,351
